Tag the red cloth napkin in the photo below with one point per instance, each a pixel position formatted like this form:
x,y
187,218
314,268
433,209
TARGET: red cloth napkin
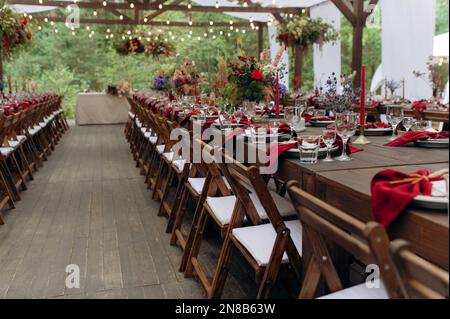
x,y
378,125
389,200
410,137
187,117
308,118
167,112
419,105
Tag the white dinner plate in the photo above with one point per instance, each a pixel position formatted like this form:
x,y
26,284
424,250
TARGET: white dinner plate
x,y
433,143
377,131
320,123
439,198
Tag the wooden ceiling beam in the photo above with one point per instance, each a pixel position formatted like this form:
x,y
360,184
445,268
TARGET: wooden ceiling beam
x,y
161,11
149,23
155,7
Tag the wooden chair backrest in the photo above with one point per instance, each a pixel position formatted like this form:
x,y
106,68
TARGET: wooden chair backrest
x,y
322,224
419,278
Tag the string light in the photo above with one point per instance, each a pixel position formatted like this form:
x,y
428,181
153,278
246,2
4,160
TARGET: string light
x,y
190,22
40,1
189,5
52,23
39,28
45,20
121,17
108,30
95,13
211,23
132,5
104,3
145,20
217,4
73,33
87,28
160,6
168,22
30,17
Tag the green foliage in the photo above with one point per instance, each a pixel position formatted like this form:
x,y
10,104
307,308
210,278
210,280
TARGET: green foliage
x,y
442,7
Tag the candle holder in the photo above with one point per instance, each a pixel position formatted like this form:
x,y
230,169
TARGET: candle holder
x,y
362,139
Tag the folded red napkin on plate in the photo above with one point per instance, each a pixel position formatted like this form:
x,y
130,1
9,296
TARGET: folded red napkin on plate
x,y
410,137
378,125
392,191
308,118
187,117
323,118
419,105
167,111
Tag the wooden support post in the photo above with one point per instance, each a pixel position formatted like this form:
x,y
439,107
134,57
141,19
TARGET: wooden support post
x,y
358,33
260,40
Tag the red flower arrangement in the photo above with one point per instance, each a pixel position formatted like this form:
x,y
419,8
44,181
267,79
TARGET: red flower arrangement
x,y
256,75
13,30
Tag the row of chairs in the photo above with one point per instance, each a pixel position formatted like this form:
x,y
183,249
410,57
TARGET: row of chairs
x,y
275,235
27,138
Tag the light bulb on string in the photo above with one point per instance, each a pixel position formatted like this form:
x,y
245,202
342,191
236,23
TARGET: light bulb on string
x,y
145,20
211,23
30,16
45,20
121,17
108,30
160,6
105,3
132,5
168,22
52,23
217,4
95,13
211,30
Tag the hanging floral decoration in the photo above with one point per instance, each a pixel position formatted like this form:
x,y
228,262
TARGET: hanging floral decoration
x,y
130,46
14,30
158,47
304,31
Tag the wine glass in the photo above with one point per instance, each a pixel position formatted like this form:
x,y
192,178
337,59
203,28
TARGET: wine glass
x,y
408,123
289,117
301,106
394,115
274,124
328,137
249,110
346,124
238,115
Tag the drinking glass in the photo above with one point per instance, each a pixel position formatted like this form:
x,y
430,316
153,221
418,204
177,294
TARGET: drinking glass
x,y
238,115
328,137
420,126
408,123
394,115
319,113
301,106
309,149
258,134
249,110
346,124
274,124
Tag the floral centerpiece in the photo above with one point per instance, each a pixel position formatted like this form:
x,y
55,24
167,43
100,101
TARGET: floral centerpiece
x,y
438,74
304,31
186,77
14,30
124,88
161,81
253,80
158,47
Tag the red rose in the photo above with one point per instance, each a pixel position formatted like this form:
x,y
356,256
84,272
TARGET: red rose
x,y
29,36
25,21
256,75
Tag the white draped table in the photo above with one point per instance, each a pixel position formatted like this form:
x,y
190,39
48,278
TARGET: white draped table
x,y
101,108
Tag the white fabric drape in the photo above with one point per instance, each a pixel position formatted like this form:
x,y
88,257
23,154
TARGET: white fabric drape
x,y
328,58
408,28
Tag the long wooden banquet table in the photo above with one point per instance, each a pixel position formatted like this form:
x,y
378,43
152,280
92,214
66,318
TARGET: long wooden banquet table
x,y
346,185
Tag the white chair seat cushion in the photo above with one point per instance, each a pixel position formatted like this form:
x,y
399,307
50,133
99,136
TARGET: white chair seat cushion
x,y
42,124
14,144
222,207
284,205
153,139
5,151
359,292
131,115
21,138
34,130
197,183
259,240
168,156
179,164
143,129
160,148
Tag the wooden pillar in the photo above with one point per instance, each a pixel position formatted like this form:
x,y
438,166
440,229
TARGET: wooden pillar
x,y
298,70
358,33
260,40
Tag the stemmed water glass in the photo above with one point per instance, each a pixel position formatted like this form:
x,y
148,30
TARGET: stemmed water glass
x,y
289,117
346,124
249,110
238,115
394,115
408,123
328,137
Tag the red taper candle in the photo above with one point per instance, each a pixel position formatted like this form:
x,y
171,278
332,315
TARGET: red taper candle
x,y
363,96
277,96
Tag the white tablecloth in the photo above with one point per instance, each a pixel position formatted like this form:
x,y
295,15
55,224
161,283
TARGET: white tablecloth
x,y
101,108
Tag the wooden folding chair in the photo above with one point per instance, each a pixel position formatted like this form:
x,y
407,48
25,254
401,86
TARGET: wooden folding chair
x,y
324,225
419,278
262,245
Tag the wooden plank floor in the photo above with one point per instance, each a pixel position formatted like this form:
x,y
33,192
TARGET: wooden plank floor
x,y
89,206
